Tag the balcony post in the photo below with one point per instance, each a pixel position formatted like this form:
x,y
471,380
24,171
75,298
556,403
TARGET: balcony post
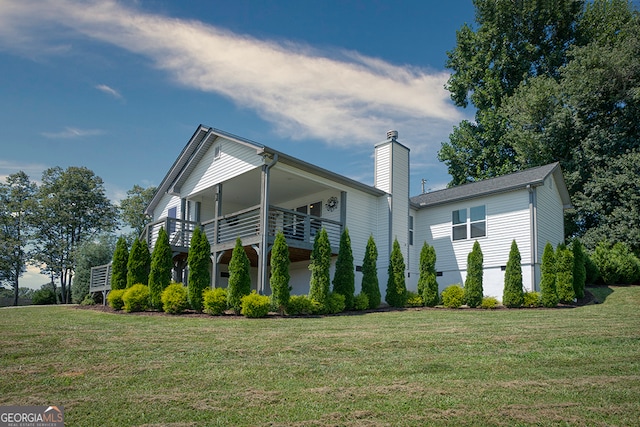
x,y
263,251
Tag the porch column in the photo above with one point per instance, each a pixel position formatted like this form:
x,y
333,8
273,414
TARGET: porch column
x,y
343,210
264,223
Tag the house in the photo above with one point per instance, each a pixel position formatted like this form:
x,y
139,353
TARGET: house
x,y
233,187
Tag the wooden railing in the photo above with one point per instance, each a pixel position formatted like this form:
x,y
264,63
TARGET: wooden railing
x,y
178,230
100,278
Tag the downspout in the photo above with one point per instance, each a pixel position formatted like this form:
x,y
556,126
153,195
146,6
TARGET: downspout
x,y
264,250
533,230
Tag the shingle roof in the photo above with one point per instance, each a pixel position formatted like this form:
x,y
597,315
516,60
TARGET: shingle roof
x,y
515,181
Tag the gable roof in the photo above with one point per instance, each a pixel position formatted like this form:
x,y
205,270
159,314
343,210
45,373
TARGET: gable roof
x,y
201,141
516,181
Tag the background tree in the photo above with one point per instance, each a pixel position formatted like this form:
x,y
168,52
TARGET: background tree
x,y
16,208
160,270
319,285
71,209
239,278
89,254
344,276
513,294
370,285
512,42
564,274
473,283
119,265
579,268
548,293
279,280
198,260
396,295
133,206
427,283
139,264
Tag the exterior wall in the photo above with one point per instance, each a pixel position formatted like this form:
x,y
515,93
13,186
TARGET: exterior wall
x,y
550,214
234,160
168,201
507,218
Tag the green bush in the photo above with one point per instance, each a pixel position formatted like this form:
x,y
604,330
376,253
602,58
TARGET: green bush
x,y
361,301
43,297
564,274
320,265
161,268
512,295
532,299
279,280
473,283
548,294
396,295
88,300
616,264
344,276
593,274
214,301
336,303
198,260
174,298
254,305
370,285
136,298
239,277
489,303
453,296
114,299
414,300
579,268
427,283
301,304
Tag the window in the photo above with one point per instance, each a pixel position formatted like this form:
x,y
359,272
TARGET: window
x,y
472,226
410,230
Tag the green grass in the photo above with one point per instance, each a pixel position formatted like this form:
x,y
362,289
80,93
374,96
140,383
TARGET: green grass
x,y
569,366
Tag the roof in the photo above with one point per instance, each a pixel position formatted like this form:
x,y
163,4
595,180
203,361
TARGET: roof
x,y
516,181
204,137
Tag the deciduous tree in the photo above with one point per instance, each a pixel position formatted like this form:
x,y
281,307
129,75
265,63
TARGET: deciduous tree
x,y
90,254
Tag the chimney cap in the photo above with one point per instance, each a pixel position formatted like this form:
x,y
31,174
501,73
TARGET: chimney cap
x,y
392,134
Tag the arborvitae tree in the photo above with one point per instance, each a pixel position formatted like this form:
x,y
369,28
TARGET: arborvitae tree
x,y
473,283
279,281
239,277
548,293
139,264
427,284
344,278
198,260
513,295
564,274
370,285
320,265
161,266
579,268
119,265
396,295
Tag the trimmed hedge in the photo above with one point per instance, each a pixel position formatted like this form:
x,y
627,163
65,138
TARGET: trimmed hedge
x,y
214,301
453,296
532,299
174,298
361,301
301,304
136,298
489,303
114,299
254,305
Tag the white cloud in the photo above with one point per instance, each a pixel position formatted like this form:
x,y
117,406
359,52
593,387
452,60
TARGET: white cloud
x,y
340,98
33,170
109,91
72,132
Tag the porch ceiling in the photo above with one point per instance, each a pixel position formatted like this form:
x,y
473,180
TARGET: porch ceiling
x,y
295,255
244,190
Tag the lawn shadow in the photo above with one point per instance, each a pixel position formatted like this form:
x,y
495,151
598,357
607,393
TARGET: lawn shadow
x,y
600,293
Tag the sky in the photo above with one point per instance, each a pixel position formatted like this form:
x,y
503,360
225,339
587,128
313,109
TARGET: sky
x,y
120,86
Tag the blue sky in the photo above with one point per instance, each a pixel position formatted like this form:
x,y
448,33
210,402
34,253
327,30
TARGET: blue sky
x,y
120,86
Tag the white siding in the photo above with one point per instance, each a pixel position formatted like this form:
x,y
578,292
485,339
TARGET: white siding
x,y
168,201
507,217
550,215
382,167
235,159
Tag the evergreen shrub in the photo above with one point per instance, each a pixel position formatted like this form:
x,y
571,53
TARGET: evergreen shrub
x,y
336,303
319,285
513,295
279,280
136,298
453,296
427,283
114,299
301,304
370,284
617,264
344,276
579,268
161,268
43,297
214,301
139,264
361,301
414,300
564,274
88,300
489,303
254,305
548,295
396,295
174,298
532,299
199,261
239,277
473,283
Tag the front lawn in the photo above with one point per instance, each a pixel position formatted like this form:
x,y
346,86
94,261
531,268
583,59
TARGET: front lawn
x,y
565,366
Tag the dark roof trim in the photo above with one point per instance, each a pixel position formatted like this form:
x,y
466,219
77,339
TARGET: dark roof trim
x,y
516,181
